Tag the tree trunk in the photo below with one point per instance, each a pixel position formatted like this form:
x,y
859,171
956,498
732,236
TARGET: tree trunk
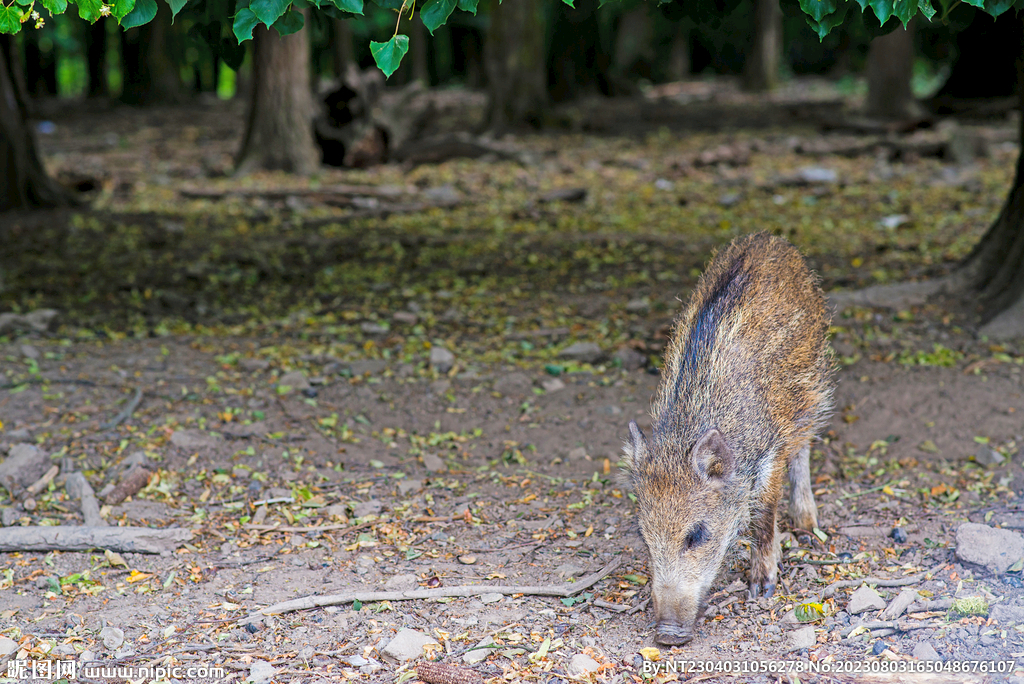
x,y
578,62
342,50
24,183
279,132
96,57
420,41
514,54
150,73
633,56
993,274
679,59
890,66
761,71
40,64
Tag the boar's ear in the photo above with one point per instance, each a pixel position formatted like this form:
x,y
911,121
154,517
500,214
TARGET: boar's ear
x,y
712,456
636,448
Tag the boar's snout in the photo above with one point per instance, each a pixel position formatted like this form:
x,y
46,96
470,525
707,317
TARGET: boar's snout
x,y
669,634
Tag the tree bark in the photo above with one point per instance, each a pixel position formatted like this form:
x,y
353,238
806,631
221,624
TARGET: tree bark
x,y
761,71
24,183
150,73
96,57
679,59
341,46
514,55
279,132
890,67
633,56
420,40
40,64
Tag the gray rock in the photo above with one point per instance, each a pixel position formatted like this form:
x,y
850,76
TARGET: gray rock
x,y
729,199
817,174
865,599
367,366
441,359
371,507
987,456
580,664
30,352
443,194
899,604
638,306
240,431
925,651
253,365
8,516
629,358
374,328
407,645
296,380
514,383
355,660
433,463
490,598
552,385
405,317
25,463
261,672
480,652
801,638
40,320
584,352
996,549
407,486
570,570
1007,615
403,582
19,435
193,439
112,637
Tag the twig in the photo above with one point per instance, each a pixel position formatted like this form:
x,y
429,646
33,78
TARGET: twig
x,y
480,549
902,582
321,528
638,607
617,607
125,413
865,491
40,484
899,625
465,590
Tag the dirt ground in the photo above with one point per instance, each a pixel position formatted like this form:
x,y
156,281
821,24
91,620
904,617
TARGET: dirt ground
x,y
311,459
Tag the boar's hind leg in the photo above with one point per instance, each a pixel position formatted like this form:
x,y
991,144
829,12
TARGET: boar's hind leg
x,y
801,499
764,557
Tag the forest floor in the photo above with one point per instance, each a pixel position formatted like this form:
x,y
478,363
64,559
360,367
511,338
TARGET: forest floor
x,y
267,352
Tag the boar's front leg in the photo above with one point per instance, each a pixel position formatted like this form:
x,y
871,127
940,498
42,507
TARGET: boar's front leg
x,y
765,554
801,499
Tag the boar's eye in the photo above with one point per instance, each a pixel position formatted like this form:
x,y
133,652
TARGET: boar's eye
x,y
697,536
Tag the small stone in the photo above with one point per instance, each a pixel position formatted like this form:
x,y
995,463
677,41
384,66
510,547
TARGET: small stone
x,y
337,511
406,487
403,582
552,385
515,383
638,306
443,194
8,516
577,454
19,435
355,661
816,174
899,535
865,599
584,352
405,317
987,456
407,645
112,638
566,570
374,328
253,365
295,380
367,367
467,559
729,199
802,638
30,352
630,359
996,549
363,508
193,439
1007,615
7,646
894,221
441,359
433,463
878,647
925,651
490,598
261,672
580,664
480,652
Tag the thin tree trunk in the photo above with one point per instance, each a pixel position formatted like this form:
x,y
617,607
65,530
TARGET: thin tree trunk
x,y
761,71
341,46
514,55
150,73
24,183
679,59
279,132
96,57
420,41
890,67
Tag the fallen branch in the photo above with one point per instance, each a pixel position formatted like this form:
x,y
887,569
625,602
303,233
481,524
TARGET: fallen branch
x,y
125,413
443,673
40,484
74,538
79,488
898,625
461,591
902,582
284,193
307,530
133,482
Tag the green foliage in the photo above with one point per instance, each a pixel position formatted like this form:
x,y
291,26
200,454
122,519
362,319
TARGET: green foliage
x,y
436,12
121,8
389,55
269,11
10,20
142,13
245,22
290,22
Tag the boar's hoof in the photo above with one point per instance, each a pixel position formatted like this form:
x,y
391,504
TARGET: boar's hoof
x,y
672,635
766,589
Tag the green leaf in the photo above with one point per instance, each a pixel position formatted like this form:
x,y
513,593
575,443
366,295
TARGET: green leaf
x,y
436,12
176,6
817,9
142,13
89,10
350,6
23,3
997,7
269,11
245,22
567,2
468,5
926,9
290,22
55,6
389,55
905,10
121,8
395,5
809,612
10,20
832,21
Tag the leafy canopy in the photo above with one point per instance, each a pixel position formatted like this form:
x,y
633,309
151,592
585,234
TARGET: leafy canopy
x,y
285,16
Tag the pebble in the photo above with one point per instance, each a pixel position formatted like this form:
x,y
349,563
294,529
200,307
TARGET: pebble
x,y
513,383
261,672
865,599
479,653
441,359
996,549
374,328
584,352
552,385
296,380
581,664
987,456
405,317
630,359
407,645
403,582
433,463
30,352
899,535
925,651
7,646
878,647
802,638
638,306
112,638
490,598
371,507
367,366
817,174
253,365
405,487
